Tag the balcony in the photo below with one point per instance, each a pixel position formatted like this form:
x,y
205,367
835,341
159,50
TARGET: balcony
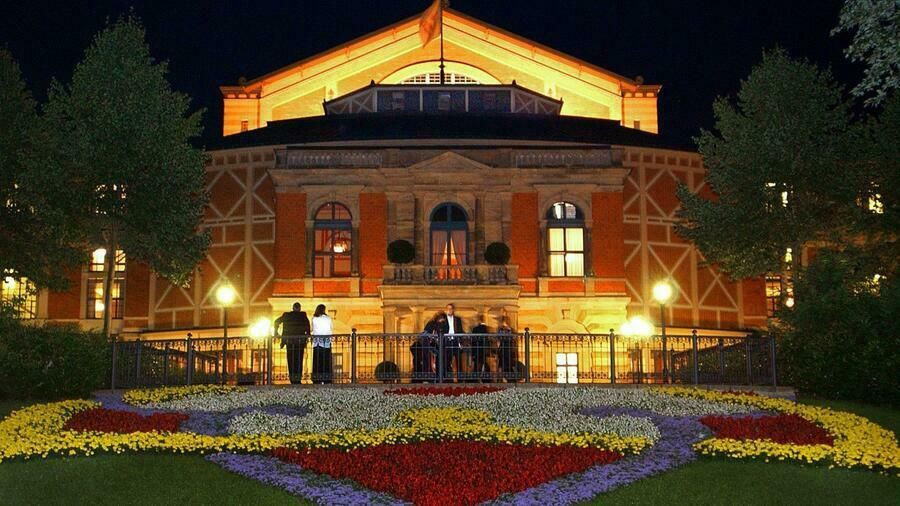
x,y
451,275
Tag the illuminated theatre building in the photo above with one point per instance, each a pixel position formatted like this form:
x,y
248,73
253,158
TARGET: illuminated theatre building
x,y
325,162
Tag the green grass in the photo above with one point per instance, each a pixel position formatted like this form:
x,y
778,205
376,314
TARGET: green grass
x,y
131,479
717,482
188,479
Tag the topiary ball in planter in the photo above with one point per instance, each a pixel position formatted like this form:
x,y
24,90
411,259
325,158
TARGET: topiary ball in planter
x,y
497,253
387,372
401,252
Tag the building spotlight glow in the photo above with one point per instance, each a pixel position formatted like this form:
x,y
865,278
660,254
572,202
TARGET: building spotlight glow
x,y
637,326
261,329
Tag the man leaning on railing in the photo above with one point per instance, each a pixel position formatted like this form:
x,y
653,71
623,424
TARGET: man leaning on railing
x,y
294,335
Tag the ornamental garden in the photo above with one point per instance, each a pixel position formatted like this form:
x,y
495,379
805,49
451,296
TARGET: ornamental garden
x,y
449,445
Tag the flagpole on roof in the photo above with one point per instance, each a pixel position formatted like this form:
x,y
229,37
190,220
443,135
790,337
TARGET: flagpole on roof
x,y
441,21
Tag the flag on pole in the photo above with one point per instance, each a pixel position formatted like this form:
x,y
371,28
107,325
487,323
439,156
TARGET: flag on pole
x,y
430,22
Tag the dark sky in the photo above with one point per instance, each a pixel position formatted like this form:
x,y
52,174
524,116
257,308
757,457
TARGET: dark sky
x,y
696,49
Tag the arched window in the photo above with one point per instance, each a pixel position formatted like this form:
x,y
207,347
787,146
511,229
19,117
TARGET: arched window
x,y
435,78
332,229
565,239
449,235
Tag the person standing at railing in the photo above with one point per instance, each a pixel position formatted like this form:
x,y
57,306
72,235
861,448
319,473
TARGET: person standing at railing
x,y
480,343
452,349
322,330
293,335
507,340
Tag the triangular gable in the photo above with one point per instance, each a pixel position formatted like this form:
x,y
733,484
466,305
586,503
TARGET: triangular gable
x,y
298,90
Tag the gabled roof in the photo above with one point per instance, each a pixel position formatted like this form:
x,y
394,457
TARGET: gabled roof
x,y
485,30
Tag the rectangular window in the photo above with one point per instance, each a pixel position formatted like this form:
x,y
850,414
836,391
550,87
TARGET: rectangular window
x,y
98,259
566,251
444,102
398,101
637,124
20,294
567,368
245,125
773,295
95,304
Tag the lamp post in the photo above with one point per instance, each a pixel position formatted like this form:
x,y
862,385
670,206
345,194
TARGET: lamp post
x,y
225,294
662,292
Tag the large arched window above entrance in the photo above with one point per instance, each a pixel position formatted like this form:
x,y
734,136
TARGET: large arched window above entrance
x,y
449,235
565,240
332,229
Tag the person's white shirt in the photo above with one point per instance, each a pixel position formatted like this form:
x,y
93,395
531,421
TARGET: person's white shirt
x,y
451,324
322,329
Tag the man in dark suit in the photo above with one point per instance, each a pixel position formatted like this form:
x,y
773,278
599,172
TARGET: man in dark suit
x,y
480,346
452,348
294,336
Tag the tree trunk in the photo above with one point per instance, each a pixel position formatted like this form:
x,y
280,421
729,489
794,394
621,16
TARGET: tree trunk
x,y
109,270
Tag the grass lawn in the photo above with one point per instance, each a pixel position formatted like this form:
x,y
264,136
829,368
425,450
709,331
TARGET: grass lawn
x,y
188,479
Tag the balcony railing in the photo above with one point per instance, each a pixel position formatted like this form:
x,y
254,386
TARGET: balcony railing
x,y
414,358
451,274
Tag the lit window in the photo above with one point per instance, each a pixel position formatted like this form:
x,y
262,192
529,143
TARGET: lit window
x,y
449,237
20,294
95,299
98,260
435,78
567,368
773,295
332,230
565,234
789,256
876,206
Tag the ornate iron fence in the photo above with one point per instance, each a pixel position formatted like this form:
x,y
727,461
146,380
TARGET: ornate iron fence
x,y
416,358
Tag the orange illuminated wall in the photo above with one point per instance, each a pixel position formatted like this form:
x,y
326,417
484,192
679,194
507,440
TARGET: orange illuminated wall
x,y
137,294
372,240
290,243
525,238
607,242
298,90
66,305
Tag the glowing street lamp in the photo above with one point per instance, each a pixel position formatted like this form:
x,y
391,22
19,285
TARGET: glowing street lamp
x,y
662,293
225,295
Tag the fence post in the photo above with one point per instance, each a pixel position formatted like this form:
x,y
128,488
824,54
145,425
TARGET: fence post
x,y
772,359
527,338
115,347
166,365
612,357
721,350
440,358
270,357
189,369
749,351
694,355
137,373
353,341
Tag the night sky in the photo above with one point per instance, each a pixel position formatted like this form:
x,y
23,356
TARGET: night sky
x,y
697,50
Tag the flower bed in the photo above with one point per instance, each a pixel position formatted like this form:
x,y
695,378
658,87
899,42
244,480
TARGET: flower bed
x,y
432,432
123,422
857,441
784,429
449,473
445,391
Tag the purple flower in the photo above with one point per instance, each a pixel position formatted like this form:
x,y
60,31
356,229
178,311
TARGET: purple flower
x,y
296,481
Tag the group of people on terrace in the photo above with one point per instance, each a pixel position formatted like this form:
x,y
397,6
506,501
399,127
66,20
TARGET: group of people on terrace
x,y
442,351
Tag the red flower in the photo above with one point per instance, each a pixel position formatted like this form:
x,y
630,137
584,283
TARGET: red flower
x,y
123,422
785,429
445,391
450,473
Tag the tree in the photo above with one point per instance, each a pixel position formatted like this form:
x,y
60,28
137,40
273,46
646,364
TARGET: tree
x,y
876,43
41,232
127,134
776,166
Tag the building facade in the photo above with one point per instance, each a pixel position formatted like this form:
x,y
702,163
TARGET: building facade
x,y
325,162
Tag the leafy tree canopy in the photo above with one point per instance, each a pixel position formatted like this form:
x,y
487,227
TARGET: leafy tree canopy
x,y
127,136
876,43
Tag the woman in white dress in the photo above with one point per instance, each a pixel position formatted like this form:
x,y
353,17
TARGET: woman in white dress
x,y
322,330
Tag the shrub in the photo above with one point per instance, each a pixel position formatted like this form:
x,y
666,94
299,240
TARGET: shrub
x,y
842,338
497,253
50,362
401,252
387,372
